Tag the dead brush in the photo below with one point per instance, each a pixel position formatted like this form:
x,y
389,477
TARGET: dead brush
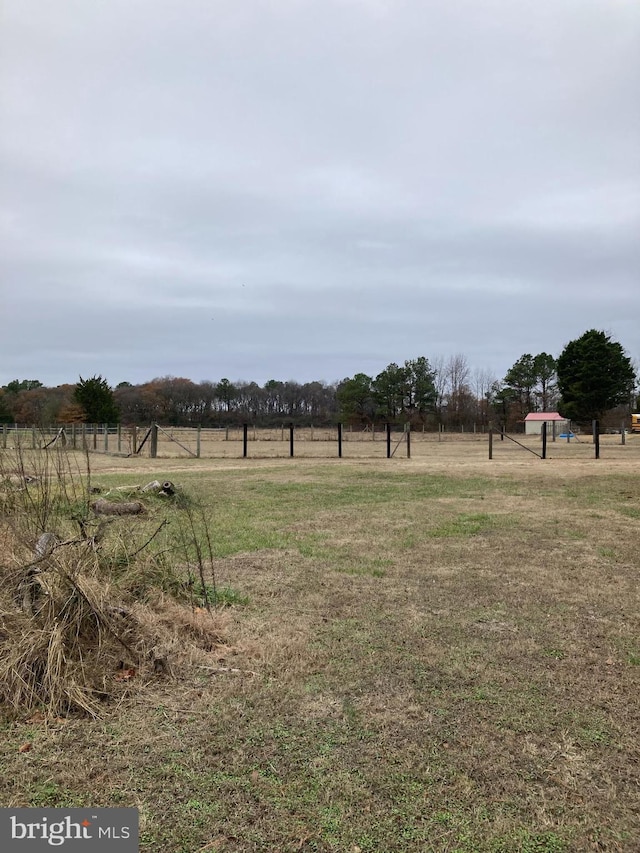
x,y
61,634
181,636
84,606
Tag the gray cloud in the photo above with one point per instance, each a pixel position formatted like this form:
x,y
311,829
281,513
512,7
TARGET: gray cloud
x,y
307,190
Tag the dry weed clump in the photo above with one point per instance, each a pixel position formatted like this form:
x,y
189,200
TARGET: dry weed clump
x,y
84,611
174,635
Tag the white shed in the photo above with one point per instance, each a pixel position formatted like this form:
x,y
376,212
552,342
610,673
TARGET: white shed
x,y
534,420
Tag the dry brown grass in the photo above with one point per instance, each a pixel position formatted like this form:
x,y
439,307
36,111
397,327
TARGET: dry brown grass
x,y
73,631
439,654
453,450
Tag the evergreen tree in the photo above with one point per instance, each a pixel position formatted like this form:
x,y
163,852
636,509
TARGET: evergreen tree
x,y
97,401
544,366
522,379
420,396
390,388
5,413
594,375
355,398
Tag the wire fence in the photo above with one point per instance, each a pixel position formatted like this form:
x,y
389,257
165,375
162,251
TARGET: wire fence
x,y
247,441
214,442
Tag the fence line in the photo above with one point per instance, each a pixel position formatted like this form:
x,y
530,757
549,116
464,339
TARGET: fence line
x,y
258,442
155,439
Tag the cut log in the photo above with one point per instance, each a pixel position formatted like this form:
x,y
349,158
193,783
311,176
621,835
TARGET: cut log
x,y
166,489
104,507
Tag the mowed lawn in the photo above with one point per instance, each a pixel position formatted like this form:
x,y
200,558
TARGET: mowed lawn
x,y
434,654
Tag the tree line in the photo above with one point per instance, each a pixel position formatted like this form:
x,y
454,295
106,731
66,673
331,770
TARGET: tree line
x,y
592,378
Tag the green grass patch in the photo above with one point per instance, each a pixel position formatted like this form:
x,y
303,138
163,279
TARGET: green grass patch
x,y
465,524
214,596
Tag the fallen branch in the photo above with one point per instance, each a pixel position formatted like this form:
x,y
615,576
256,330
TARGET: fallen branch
x,y
102,620
104,507
149,540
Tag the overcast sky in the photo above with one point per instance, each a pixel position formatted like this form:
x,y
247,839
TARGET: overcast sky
x,y
308,189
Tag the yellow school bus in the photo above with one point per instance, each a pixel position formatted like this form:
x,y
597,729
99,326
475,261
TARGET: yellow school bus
x,y
635,423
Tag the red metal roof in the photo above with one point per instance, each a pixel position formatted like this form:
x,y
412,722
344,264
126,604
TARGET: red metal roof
x,y
544,416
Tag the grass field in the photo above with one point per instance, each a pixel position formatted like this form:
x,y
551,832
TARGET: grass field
x,y
436,654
